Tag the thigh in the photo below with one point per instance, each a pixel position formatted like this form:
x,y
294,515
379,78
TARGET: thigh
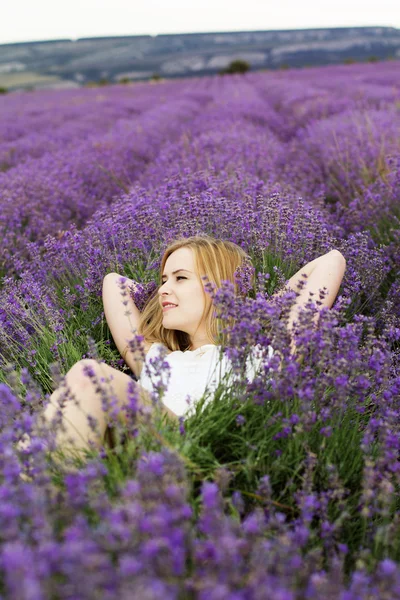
x,y
110,381
117,383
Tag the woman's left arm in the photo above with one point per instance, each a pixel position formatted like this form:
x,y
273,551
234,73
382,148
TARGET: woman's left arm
x,y
328,271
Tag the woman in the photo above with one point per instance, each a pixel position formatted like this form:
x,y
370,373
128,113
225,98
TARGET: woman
x,y
179,318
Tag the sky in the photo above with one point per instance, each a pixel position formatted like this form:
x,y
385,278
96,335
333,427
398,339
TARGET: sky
x,y
34,20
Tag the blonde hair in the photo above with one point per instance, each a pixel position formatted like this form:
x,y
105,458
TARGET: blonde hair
x,y
214,258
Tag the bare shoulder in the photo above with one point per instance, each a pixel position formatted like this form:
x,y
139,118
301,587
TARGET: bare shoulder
x,y
147,346
137,365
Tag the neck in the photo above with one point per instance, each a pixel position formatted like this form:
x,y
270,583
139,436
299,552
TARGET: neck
x,y
198,344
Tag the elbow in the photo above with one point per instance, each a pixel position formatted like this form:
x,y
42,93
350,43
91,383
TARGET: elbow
x,y
106,279
108,286
339,255
110,277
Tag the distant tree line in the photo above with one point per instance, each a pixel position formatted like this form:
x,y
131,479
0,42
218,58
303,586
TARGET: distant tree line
x,y
236,66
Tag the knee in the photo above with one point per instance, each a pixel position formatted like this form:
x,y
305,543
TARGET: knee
x,y
84,374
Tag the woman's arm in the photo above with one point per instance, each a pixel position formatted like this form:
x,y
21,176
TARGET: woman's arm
x,y
121,318
293,282
325,271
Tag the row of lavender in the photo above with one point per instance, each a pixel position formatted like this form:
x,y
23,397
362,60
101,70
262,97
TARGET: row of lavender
x,y
71,170
230,157
70,179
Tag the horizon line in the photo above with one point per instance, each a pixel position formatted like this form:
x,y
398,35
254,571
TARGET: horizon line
x,y
155,35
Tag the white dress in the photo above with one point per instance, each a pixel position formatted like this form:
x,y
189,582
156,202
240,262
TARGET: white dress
x,y
192,372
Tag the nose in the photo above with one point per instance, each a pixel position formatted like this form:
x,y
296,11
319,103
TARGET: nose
x,y
163,293
161,289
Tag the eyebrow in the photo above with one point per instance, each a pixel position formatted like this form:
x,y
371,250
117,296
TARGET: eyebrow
x,y
177,271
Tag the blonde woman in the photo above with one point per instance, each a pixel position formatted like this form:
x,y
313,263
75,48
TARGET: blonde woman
x,y
179,318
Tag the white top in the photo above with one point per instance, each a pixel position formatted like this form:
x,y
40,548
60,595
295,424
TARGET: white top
x,y
192,372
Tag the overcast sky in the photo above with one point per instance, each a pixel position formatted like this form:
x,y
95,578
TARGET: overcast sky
x,y
29,20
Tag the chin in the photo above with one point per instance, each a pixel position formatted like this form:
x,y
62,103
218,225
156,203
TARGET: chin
x,y
167,325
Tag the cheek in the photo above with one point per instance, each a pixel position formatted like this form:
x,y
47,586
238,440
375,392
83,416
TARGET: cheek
x,y
204,303
197,302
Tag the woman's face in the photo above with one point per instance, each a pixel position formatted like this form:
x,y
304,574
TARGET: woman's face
x,y
183,289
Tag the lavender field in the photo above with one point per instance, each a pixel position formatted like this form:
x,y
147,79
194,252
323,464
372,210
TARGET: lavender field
x,y
286,488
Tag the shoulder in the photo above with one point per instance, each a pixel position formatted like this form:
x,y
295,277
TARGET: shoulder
x,y
151,350
152,347
147,347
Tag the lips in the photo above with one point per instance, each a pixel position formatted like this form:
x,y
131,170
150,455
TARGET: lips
x,y
168,307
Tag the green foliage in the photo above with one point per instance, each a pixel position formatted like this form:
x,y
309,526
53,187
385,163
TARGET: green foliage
x,y
100,83
3,90
124,80
82,321
215,443
47,347
155,77
213,440
236,66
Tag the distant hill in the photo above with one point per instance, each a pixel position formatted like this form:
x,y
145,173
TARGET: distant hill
x,y
72,63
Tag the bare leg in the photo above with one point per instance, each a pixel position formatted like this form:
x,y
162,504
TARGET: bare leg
x,y
81,395
87,386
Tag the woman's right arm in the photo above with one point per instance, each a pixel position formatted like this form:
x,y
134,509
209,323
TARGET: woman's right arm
x,y
122,318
